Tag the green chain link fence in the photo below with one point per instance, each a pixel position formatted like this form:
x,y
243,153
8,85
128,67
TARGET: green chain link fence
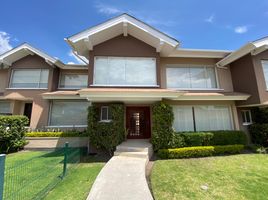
x,y
35,177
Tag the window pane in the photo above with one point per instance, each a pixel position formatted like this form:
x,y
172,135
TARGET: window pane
x,y
209,118
44,78
211,78
104,113
5,107
140,71
125,71
183,118
117,73
29,78
265,71
101,71
68,113
198,77
178,78
73,81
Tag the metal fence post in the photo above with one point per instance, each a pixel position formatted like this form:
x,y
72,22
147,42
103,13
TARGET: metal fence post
x,y
2,174
65,158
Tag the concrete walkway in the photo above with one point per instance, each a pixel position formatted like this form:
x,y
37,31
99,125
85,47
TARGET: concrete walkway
x,y
123,177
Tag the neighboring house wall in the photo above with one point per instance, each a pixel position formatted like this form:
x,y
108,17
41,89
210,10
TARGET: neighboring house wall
x,y
123,47
262,88
223,75
244,79
3,79
40,107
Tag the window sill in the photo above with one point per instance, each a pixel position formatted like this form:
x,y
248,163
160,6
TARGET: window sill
x,y
194,89
247,124
137,86
67,126
105,121
26,88
62,88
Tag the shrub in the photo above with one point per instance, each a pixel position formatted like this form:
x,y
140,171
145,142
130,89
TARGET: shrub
x,y
259,134
177,141
186,152
12,131
228,149
211,138
106,135
57,134
197,138
199,151
162,119
228,138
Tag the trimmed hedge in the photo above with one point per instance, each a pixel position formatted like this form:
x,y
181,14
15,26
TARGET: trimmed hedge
x,y
259,134
12,131
199,151
162,119
210,138
106,135
57,134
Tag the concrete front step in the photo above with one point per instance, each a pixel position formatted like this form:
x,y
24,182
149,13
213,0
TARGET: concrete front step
x,y
135,148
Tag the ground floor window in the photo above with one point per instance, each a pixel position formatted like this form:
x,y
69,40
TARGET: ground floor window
x,y
5,108
105,114
202,118
246,117
68,113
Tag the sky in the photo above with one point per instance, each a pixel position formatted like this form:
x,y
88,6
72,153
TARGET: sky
x,y
206,24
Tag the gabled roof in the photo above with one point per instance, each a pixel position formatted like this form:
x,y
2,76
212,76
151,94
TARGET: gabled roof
x,y
122,24
253,48
23,50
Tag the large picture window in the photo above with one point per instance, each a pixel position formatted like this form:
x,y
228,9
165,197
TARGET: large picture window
x,y
202,118
29,78
125,71
68,113
73,81
191,77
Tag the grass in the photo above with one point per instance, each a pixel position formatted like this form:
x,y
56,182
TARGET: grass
x,y
228,177
32,174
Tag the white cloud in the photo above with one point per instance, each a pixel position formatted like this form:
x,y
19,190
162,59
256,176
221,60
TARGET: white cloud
x,y
76,58
70,63
107,10
4,42
241,29
210,19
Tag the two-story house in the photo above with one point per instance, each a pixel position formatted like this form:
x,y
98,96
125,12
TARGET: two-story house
x,y
133,63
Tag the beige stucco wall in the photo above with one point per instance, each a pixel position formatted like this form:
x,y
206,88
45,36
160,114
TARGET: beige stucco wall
x,y
223,75
3,79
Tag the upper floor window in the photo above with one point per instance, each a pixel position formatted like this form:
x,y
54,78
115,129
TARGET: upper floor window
x,y
265,71
73,81
125,71
192,77
29,78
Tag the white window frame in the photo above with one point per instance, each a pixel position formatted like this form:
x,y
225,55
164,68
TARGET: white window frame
x,y
243,112
107,117
194,116
266,81
24,69
73,88
119,85
194,66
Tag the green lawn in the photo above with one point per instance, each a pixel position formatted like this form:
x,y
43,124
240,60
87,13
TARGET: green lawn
x,y
31,173
227,177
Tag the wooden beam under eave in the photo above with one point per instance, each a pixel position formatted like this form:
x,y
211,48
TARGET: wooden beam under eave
x,y
125,29
88,44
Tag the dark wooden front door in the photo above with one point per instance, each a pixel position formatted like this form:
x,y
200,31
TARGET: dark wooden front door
x,y
138,122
